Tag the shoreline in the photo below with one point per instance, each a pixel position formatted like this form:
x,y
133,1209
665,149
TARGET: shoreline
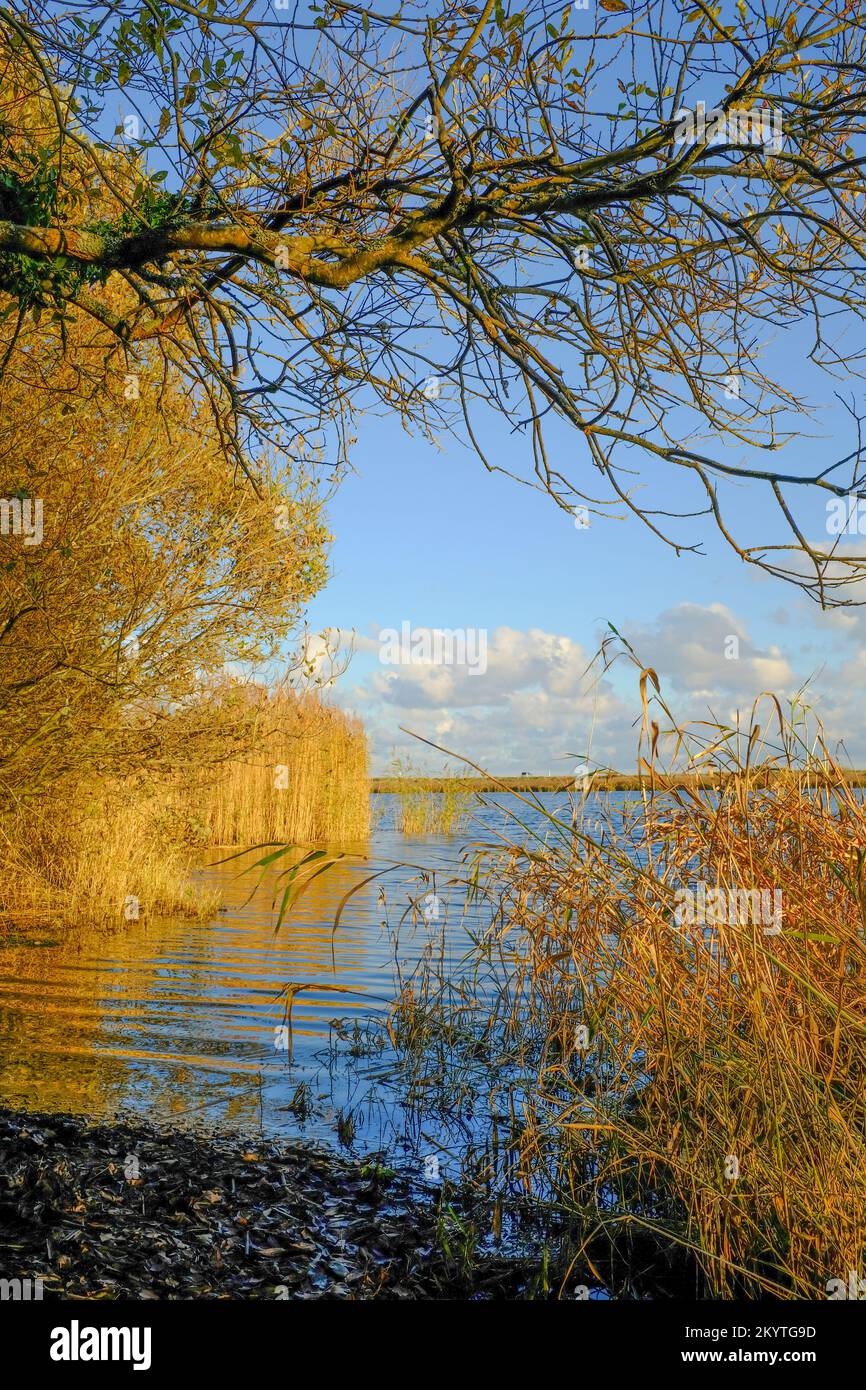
x,y
602,781
121,1209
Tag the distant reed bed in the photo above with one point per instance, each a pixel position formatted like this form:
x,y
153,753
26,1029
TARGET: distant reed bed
x,y
440,808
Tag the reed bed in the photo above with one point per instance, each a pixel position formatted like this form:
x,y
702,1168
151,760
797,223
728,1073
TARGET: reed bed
x,y
669,1067
439,809
87,848
305,781
105,853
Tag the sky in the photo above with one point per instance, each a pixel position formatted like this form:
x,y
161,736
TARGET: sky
x,y
428,537
425,537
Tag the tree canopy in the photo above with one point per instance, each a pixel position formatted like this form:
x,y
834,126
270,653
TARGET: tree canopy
x,y
598,215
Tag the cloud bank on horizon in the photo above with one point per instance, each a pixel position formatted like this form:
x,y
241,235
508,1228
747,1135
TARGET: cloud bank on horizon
x,y
540,704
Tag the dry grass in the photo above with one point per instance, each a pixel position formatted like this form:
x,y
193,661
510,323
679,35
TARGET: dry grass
x,y
86,849
87,855
601,781
702,1084
727,1065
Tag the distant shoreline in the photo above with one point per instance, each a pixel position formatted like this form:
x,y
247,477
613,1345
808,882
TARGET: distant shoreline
x,y
598,781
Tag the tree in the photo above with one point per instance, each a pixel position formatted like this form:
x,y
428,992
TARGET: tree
x,y
591,215
139,571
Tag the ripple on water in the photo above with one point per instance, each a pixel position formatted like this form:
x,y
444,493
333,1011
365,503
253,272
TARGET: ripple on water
x,y
178,1019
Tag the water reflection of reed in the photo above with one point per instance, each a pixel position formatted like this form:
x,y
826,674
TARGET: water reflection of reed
x,y
177,1017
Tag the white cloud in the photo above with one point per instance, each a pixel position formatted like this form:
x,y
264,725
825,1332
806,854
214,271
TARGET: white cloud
x,y
514,661
537,708
533,709
706,653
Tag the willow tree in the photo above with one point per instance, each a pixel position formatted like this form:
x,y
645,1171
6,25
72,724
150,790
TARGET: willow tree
x,y
596,214
141,574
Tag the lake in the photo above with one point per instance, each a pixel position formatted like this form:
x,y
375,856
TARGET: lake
x,y
180,1020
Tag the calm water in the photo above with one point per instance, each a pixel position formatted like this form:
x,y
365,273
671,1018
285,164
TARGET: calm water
x,y
178,1019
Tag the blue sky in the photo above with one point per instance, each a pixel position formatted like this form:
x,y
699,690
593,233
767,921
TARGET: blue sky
x,y
428,537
